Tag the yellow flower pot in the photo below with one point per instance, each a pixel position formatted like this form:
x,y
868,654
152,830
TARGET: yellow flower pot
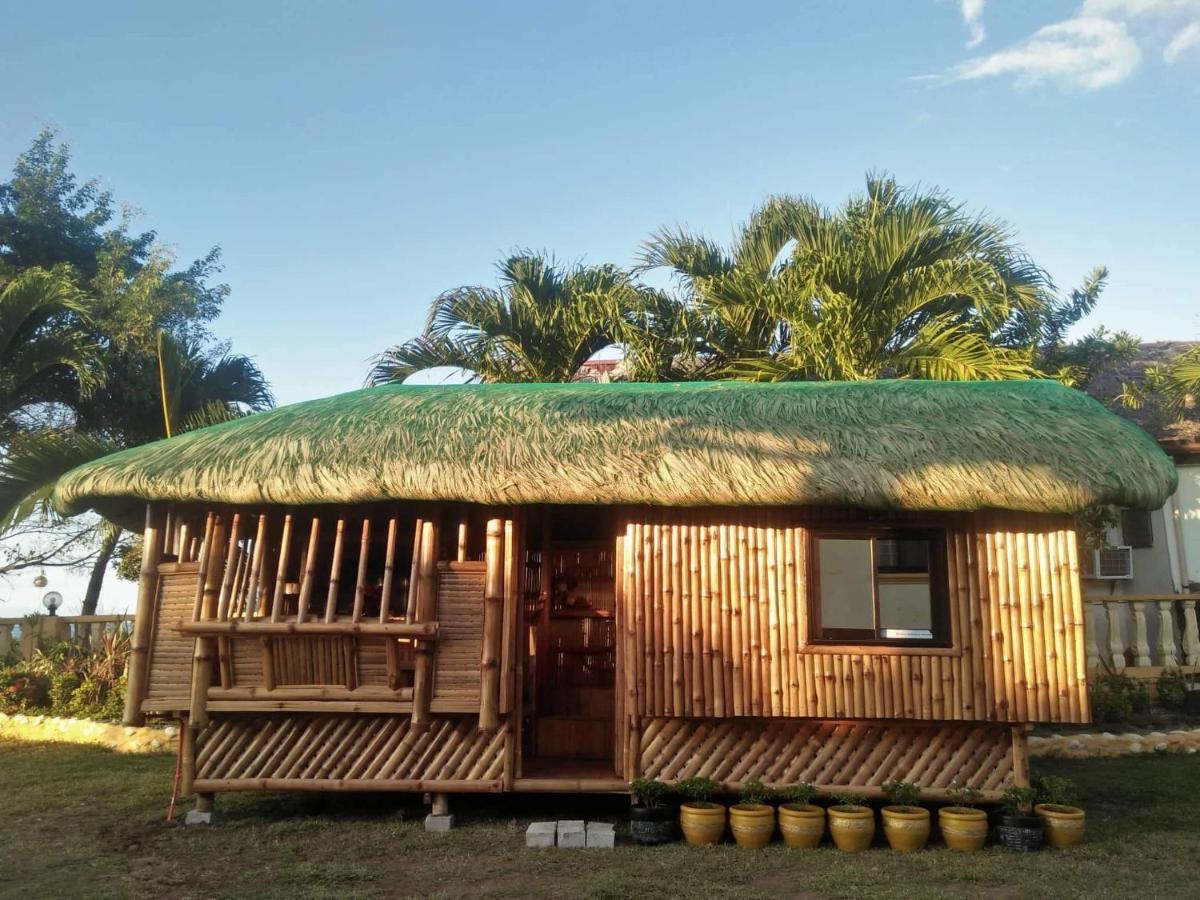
x,y
851,827
801,826
1064,824
906,827
752,824
963,828
702,823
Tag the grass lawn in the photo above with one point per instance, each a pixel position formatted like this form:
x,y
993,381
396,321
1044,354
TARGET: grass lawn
x,y
83,821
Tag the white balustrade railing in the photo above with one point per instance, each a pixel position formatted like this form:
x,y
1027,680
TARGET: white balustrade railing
x,y
1143,631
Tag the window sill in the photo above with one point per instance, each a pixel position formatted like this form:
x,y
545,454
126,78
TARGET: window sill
x,y
879,650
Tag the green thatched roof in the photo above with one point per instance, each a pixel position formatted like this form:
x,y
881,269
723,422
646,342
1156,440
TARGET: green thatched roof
x,y
879,444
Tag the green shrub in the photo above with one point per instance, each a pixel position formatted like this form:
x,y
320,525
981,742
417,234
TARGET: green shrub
x,y
902,793
1054,789
697,790
801,794
1172,689
850,800
647,792
1115,697
753,791
1017,800
961,795
23,690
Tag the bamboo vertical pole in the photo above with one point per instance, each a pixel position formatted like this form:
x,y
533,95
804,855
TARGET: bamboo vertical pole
x,y
666,530
1006,565
231,558
285,549
678,600
715,639
1004,675
639,616
310,568
202,657
981,600
960,629
513,554
410,613
493,624
389,570
627,614
461,555
335,570
1034,704
753,608
138,670
360,578
737,673
746,602
425,611
706,623
774,667
656,634
1037,616
205,551
1078,643
685,649
1058,542
764,617
727,623
260,547
791,694
698,630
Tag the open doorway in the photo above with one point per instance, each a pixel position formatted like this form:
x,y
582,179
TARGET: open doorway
x,y
569,709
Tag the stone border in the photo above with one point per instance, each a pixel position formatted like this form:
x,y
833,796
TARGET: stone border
x,y
123,739
1081,746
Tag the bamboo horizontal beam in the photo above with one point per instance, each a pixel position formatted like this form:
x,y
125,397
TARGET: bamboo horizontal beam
x,y
399,707
310,692
464,786
423,631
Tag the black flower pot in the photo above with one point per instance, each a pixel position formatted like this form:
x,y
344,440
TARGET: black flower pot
x,y
1020,832
651,824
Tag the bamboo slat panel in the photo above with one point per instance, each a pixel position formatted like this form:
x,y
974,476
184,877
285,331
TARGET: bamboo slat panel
x,y
715,606
460,632
346,752
827,754
247,661
309,660
171,652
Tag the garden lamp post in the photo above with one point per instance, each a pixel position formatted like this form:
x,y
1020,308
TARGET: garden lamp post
x,y
52,601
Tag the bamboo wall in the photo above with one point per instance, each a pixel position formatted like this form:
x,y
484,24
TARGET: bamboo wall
x,y
713,615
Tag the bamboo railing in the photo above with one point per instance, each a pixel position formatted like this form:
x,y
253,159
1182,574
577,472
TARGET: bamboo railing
x,y
1143,634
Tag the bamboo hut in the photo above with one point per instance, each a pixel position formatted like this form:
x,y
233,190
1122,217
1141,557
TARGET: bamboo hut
x,y
563,587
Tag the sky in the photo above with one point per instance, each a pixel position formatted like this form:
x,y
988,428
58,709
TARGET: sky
x,y
353,160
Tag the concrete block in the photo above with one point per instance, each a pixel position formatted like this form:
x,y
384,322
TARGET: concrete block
x,y
195,817
439,823
601,835
540,834
571,833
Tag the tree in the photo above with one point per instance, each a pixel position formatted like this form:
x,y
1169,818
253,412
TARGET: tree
x,y
1173,385
896,283
146,318
46,352
542,323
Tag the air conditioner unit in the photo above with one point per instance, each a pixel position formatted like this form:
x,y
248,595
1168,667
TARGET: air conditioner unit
x,y
1109,564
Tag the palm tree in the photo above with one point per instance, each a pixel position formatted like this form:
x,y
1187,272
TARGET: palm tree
x,y
46,354
542,323
896,282
182,387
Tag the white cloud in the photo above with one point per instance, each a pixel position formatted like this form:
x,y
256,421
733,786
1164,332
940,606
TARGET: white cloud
x,y
1085,52
1185,40
1119,9
972,13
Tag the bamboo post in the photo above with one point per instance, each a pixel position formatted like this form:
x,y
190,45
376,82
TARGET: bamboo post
x,y
493,621
310,568
202,659
260,545
205,550
426,605
410,614
389,571
335,570
462,542
143,623
360,580
231,560
285,546
512,614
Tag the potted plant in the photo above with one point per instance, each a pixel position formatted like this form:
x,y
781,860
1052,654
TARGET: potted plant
x,y
851,823
752,821
905,821
651,819
800,822
703,821
1055,804
963,826
1019,829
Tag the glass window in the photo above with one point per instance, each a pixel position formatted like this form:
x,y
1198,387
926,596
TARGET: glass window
x,y
879,588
